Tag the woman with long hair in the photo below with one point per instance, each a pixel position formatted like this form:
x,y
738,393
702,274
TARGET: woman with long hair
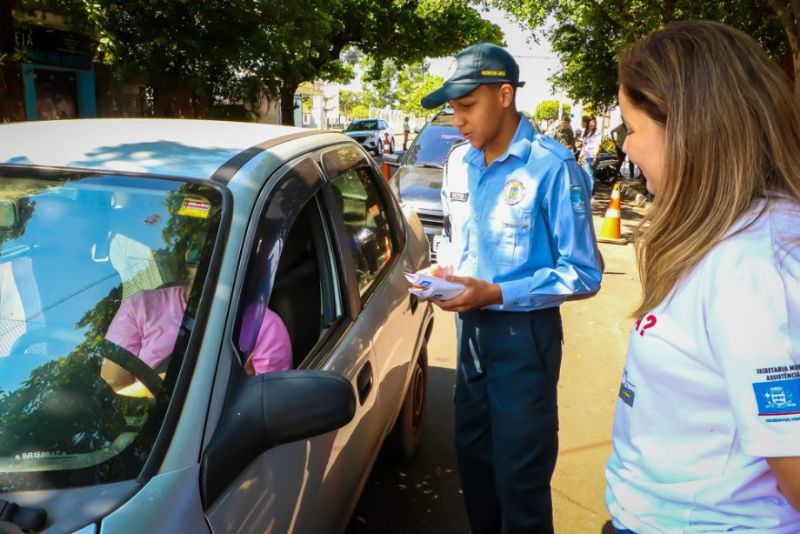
x,y
590,146
707,426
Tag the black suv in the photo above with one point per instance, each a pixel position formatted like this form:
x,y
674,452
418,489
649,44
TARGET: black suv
x,y
418,181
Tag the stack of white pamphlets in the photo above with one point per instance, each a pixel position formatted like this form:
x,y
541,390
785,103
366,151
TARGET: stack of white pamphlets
x,y
426,286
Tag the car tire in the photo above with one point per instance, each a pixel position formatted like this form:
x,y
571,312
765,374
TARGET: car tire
x,y
391,147
404,438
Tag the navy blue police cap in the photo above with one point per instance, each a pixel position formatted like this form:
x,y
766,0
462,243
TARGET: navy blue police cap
x,y
480,64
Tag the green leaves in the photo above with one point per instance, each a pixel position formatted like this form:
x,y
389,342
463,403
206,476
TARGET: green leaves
x,y
588,35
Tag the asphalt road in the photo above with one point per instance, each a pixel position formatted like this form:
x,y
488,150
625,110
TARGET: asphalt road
x,y
423,495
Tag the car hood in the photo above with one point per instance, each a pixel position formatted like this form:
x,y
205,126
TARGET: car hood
x,y
420,187
361,132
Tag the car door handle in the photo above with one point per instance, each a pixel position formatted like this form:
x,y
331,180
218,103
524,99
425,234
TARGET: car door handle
x,y
364,382
414,300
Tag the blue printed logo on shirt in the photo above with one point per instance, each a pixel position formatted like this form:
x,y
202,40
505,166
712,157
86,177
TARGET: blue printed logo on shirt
x,y
576,196
779,397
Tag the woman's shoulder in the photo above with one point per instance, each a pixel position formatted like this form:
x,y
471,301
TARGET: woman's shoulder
x,y
769,233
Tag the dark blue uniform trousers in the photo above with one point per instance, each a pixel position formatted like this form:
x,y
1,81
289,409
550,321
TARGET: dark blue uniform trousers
x,y
506,418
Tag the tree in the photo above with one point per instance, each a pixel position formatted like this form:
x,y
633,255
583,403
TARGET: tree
x,y
413,84
196,48
547,110
221,47
380,82
348,100
588,35
359,111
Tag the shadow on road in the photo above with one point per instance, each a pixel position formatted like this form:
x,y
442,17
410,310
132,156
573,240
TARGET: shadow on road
x,y
422,495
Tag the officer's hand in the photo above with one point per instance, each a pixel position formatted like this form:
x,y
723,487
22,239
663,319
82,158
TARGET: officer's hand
x,y
477,294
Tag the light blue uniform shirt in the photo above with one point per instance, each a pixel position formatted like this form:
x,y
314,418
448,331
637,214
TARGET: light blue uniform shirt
x,y
524,222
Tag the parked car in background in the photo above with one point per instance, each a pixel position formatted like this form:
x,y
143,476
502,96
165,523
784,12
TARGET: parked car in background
x,y
418,180
234,221
370,133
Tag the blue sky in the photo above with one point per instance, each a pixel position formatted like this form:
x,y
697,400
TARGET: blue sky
x,y
537,61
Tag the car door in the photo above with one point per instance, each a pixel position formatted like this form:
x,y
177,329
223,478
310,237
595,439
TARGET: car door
x,y
294,261
376,232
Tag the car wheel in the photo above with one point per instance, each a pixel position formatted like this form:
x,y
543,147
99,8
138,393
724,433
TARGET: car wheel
x,y
391,147
404,438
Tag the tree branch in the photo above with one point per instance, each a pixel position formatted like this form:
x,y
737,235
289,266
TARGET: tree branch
x,y
606,16
787,20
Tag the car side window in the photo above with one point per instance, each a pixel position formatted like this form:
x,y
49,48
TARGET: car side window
x,y
290,296
366,223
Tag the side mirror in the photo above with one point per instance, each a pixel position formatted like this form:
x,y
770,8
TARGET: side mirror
x,y
392,159
417,129
269,410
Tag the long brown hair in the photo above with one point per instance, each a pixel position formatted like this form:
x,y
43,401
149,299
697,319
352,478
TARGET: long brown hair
x,y
732,136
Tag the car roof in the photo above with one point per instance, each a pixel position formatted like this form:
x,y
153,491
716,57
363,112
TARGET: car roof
x,y
172,147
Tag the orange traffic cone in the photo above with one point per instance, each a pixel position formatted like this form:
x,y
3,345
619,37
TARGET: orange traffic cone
x,y
387,145
611,232
387,149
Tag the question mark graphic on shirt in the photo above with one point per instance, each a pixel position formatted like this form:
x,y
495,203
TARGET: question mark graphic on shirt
x,y
650,322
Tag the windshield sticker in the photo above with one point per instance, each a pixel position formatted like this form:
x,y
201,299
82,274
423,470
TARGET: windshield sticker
x,y
195,207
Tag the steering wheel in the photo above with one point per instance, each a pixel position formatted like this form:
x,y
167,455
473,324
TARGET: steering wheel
x,y
72,337
132,364
45,334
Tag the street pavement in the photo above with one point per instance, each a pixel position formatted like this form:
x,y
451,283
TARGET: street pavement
x,y
423,495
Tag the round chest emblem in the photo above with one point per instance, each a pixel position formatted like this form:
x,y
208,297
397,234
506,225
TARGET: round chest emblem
x,y
513,192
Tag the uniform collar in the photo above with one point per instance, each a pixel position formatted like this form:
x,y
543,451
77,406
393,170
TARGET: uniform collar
x,y
519,147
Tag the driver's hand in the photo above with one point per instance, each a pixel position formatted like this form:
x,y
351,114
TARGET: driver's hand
x,y
116,377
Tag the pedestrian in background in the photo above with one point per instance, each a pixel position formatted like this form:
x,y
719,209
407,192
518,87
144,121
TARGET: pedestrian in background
x,y
519,236
564,133
618,135
406,131
707,427
590,146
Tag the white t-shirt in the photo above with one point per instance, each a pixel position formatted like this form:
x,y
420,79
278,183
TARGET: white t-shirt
x,y
711,387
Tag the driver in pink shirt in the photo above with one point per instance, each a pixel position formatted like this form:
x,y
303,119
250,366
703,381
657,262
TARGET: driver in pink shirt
x,y
147,325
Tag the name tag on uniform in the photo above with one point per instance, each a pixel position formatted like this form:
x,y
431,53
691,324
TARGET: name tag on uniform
x,y
458,197
627,394
626,390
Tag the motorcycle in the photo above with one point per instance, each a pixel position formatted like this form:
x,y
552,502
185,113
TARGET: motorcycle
x,y
606,168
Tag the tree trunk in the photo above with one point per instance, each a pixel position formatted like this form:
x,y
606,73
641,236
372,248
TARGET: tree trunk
x,y
288,89
787,15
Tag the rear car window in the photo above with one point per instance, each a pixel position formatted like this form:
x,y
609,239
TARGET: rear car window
x,y
432,145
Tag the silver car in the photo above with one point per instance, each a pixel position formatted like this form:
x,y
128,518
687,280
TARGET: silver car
x,y
176,253
370,133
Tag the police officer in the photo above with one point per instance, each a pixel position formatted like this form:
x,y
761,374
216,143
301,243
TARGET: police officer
x,y
518,219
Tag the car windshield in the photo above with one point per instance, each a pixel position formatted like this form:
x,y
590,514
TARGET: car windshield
x,y
357,126
100,279
433,145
